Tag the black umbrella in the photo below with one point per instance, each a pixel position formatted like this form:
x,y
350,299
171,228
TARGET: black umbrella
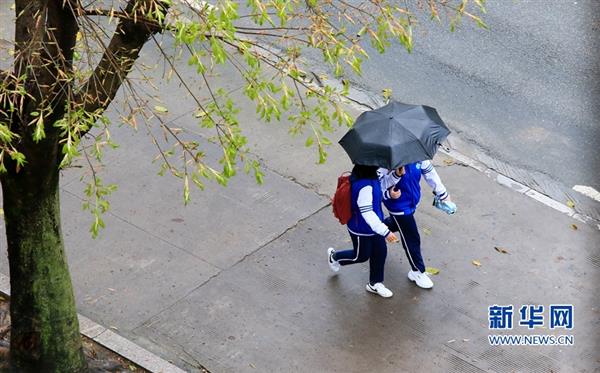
x,y
395,135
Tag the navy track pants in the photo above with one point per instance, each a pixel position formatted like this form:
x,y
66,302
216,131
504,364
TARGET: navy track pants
x,y
371,248
409,236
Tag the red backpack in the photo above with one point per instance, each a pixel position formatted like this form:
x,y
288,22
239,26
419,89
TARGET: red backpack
x,y
342,199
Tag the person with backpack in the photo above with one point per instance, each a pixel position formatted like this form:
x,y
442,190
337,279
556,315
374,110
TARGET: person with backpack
x,y
407,180
365,226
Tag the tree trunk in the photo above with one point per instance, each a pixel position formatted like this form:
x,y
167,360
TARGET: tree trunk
x,y
45,330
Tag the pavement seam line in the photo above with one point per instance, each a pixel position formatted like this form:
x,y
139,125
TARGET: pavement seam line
x,y
295,225
113,341
148,320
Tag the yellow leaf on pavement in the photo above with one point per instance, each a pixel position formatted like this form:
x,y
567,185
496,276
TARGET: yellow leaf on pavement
x,y
432,270
161,109
476,263
573,226
571,204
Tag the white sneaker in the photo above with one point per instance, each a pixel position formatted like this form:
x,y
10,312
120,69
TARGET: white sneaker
x,y
421,279
379,289
333,264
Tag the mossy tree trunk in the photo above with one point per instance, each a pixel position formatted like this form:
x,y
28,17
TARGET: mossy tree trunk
x,y
45,330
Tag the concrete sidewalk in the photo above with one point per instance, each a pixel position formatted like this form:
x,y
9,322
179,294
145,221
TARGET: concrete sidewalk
x,y
238,280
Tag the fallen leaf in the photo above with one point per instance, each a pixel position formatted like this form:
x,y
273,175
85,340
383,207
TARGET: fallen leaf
x,y
386,93
200,114
571,204
451,341
501,250
252,366
574,227
449,162
113,327
476,263
432,270
465,340
427,231
161,109
111,289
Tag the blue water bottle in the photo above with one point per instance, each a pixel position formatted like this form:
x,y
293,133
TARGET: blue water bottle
x,y
447,206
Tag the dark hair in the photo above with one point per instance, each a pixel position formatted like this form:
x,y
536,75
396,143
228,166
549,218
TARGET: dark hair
x,y
364,172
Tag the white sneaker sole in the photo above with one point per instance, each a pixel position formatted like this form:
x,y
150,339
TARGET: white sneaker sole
x,y
416,283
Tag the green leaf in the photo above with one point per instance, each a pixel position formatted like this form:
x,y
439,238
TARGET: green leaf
x,y
186,190
6,135
322,155
161,109
356,65
309,141
19,158
38,133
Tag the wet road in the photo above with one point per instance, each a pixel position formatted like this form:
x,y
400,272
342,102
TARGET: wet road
x,y
525,93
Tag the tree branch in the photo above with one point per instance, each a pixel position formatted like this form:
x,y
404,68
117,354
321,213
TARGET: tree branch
x,y
120,15
45,33
119,57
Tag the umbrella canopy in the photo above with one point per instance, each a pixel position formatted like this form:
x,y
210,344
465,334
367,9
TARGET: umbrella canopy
x,y
395,135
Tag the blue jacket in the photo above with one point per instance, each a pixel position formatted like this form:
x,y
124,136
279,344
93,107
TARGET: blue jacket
x,y
410,189
357,223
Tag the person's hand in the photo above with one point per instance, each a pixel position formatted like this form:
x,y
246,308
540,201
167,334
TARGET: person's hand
x,y
391,237
395,193
400,171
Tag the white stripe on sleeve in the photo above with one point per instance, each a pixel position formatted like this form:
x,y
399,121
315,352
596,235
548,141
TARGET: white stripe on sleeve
x,y
433,179
365,206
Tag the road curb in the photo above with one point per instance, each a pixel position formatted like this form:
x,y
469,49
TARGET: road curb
x,y
519,187
112,341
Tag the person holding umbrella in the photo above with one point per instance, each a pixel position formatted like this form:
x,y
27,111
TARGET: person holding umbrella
x,y
406,180
402,138
367,230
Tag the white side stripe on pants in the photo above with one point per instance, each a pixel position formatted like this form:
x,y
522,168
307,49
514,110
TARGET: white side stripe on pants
x,y
357,251
404,244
